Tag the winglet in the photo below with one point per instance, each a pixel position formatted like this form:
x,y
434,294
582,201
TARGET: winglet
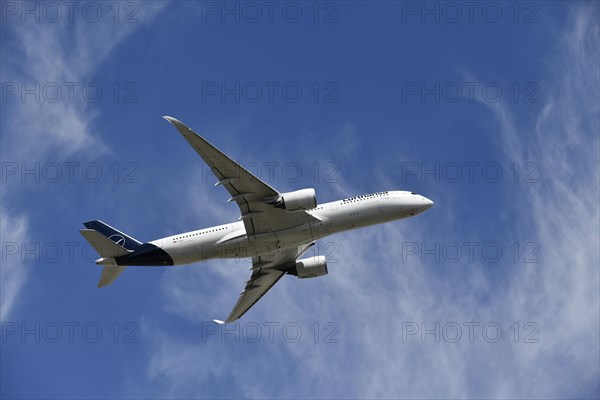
x,y
171,119
181,127
218,321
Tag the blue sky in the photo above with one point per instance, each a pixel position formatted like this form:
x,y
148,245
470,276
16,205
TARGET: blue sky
x,y
493,115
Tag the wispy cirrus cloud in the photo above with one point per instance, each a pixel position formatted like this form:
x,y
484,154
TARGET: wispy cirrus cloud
x,y
562,212
42,126
12,274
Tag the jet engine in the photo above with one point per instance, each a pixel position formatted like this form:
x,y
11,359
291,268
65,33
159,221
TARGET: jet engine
x,y
310,267
304,199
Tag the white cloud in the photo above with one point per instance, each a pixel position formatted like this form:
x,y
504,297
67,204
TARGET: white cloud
x,y
13,273
62,54
46,53
563,214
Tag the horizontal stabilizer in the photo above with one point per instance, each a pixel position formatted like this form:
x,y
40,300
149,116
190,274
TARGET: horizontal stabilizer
x,y
103,245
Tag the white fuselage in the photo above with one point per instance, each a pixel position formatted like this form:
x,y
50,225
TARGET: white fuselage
x,y
230,240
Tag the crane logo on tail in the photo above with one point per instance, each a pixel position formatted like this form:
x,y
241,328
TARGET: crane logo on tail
x,y
118,239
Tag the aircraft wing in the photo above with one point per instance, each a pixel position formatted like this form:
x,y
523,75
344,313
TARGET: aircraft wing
x,y
249,192
267,269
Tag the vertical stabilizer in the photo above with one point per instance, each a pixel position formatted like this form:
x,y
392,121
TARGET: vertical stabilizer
x,y
109,243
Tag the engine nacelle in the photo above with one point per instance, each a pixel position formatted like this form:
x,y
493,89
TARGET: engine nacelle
x,y
311,267
304,199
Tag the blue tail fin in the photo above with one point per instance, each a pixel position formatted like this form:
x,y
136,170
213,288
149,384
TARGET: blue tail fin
x,y
113,234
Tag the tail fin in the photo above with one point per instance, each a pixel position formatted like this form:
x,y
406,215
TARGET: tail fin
x,y
109,243
109,274
113,234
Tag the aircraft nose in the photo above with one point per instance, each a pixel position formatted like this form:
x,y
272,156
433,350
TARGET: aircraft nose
x,y
426,202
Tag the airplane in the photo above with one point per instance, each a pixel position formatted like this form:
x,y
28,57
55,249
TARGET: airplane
x,y
275,229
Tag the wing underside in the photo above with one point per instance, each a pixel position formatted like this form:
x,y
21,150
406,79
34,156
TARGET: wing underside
x,y
259,284
267,269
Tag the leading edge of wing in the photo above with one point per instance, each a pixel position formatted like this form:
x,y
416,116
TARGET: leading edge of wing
x,y
226,165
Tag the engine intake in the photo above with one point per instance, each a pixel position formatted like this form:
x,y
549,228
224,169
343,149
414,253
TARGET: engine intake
x,y
310,267
304,199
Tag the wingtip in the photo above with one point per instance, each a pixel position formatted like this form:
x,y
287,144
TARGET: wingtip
x,y
218,321
180,126
170,119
